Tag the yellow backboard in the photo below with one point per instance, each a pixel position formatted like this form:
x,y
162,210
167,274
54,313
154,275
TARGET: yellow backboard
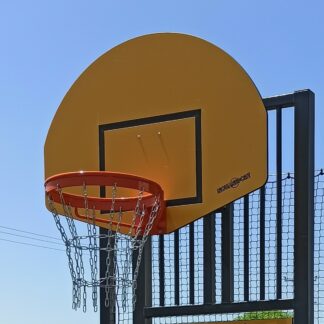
x,y
172,108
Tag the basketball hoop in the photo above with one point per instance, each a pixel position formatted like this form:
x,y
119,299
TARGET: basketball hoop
x,y
128,221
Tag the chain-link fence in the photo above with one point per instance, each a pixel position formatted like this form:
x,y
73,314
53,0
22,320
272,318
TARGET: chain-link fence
x,y
319,249
278,277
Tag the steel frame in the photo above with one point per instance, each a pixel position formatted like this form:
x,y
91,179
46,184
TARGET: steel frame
x,y
303,302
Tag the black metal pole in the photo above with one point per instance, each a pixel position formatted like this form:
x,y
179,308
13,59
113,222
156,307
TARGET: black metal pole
x,y
191,263
304,207
246,249
262,242
209,259
279,202
148,276
107,314
144,284
227,254
161,269
176,268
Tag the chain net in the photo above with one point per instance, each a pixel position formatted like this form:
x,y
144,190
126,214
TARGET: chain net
x,y
123,252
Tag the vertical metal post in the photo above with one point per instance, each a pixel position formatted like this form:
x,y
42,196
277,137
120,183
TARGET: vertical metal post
x,y
279,202
148,276
161,270
144,284
107,314
262,242
140,290
227,254
304,208
191,263
176,268
246,249
209,259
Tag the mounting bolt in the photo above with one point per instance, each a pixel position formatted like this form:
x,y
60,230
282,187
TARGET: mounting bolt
x,y
138,136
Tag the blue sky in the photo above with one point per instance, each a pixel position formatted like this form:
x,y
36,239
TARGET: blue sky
x,y
44,47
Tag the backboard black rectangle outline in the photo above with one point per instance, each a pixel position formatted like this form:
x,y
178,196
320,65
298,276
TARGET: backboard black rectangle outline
x,y
196,114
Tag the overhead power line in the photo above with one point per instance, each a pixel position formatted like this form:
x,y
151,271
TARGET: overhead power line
x,y
31,238
58,241
30,244
31,233
47,246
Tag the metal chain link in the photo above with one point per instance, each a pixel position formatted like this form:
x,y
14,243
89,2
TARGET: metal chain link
x,y
92,249
77,249
147,230
68,251
94,271
119,250
110,247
